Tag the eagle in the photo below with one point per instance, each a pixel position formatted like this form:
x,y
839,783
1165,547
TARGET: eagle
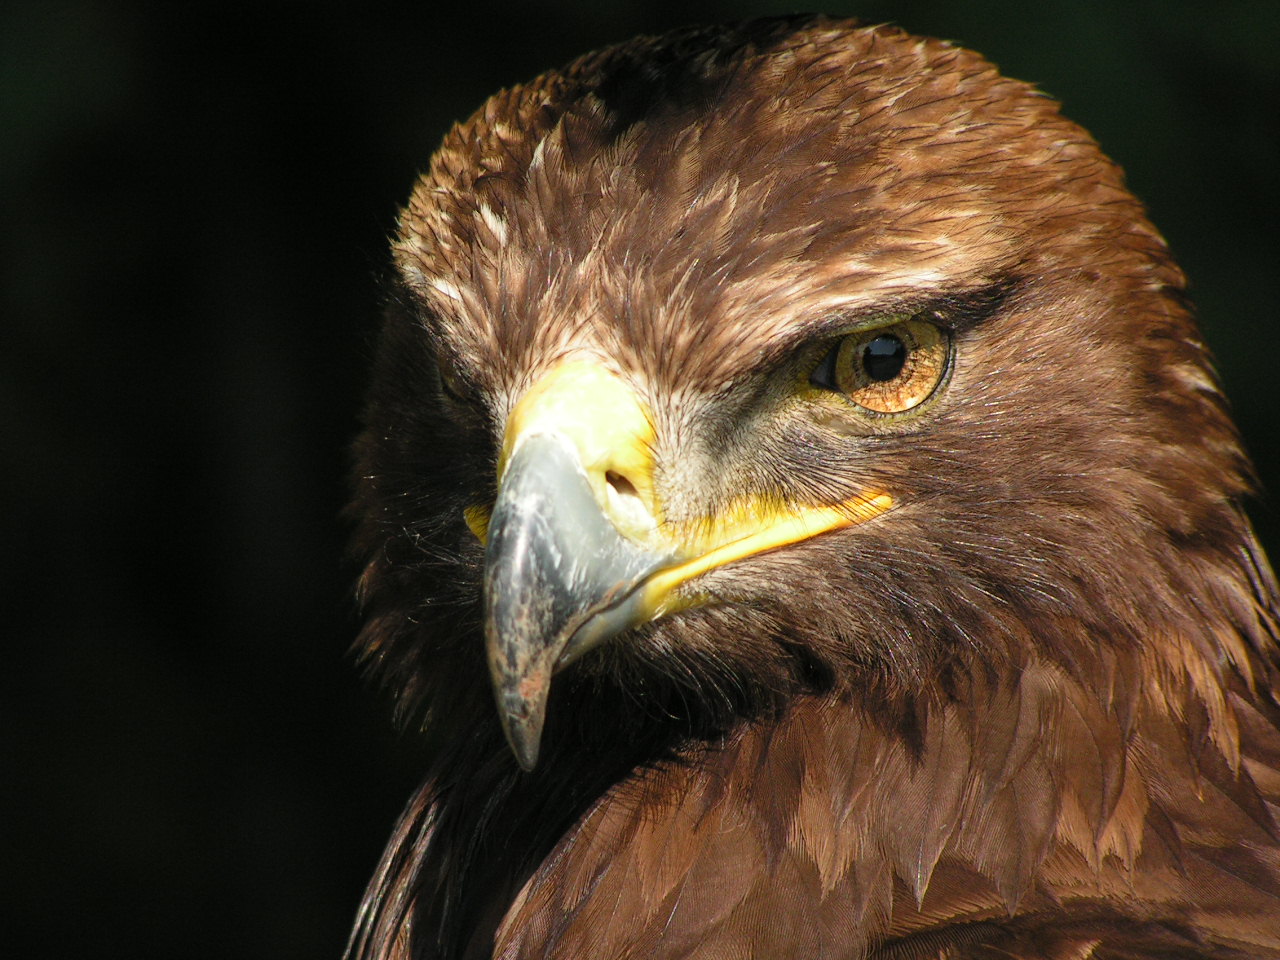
x,y
798,512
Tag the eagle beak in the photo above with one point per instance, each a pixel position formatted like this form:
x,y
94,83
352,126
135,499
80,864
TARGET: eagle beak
x,y
576,547
570,537
558,579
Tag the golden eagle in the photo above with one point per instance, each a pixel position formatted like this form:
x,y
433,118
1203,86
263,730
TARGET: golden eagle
x,y
804,433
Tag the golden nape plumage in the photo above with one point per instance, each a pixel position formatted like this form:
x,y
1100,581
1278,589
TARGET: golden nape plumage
x,y
804,434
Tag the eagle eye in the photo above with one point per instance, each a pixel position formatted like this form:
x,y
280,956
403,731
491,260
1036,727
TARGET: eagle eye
x,y
888,369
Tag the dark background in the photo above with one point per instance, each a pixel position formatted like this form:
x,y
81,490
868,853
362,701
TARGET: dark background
x,y
194,205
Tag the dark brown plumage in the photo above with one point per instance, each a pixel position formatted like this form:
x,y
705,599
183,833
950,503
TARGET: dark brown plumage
x,y
1010,692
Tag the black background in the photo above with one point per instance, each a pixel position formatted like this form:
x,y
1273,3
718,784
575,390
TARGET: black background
x,y
194,205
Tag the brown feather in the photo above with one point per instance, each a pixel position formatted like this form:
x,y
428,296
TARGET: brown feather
x,y
1030,714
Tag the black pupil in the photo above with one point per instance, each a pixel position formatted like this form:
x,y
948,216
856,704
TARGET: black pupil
x,y
884,357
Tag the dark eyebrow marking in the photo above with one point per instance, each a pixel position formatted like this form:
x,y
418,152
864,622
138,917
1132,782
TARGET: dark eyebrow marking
x,y
956,311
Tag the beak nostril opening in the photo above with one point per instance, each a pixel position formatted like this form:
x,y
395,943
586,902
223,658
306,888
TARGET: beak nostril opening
x,y
621,485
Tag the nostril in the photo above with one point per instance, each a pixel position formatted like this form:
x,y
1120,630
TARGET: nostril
x,y
621,485
626,507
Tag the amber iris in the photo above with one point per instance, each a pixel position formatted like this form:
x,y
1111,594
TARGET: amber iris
x,y
886,369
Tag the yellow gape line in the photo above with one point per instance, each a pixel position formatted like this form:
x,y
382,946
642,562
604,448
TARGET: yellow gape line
x,y
776,530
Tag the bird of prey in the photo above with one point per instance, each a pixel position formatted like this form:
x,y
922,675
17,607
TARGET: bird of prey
x,y
798,509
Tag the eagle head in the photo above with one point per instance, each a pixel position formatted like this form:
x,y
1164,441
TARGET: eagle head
x,y
790,362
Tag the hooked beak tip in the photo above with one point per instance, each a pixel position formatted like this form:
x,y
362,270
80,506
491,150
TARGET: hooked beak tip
x,y
525,750
522,723
521,696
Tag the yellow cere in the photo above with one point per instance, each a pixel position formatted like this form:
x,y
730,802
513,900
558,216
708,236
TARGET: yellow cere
x,y
612,432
